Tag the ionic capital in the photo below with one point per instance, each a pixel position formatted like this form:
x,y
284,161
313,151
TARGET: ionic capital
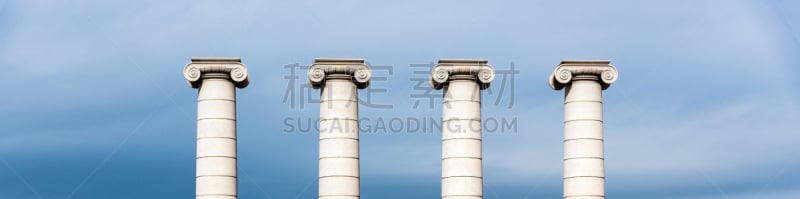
x,y
355,70
200,66
568,69
450,69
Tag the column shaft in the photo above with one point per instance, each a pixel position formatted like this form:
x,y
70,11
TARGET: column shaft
x,y
462,173
216,138
584,176
338,144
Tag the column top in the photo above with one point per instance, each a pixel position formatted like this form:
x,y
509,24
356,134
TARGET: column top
x,y
568,69
231,66
355,70
448,69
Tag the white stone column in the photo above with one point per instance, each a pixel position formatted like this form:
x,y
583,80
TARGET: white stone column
x,y
462,80
216,123
339,80
584,80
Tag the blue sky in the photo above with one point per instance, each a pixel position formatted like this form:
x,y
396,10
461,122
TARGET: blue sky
x,y
95,106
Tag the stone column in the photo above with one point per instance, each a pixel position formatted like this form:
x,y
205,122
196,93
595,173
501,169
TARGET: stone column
x,y
462,80
339,80
584,80
216,123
